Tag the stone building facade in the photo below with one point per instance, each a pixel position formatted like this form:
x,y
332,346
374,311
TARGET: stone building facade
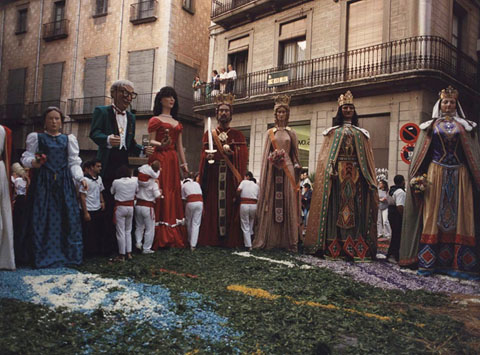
x,y
68,53
394,55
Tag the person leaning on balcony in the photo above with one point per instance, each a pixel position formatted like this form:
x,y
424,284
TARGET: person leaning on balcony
x,y
113,130
231,77
342,221
215,84
223,80
197,88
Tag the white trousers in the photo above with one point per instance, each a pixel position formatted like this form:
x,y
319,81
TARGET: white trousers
x,y
383,226
193,219
7,256
144,226
247,219
124,217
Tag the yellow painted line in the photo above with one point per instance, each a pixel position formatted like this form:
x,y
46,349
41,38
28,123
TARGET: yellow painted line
x,y
259,293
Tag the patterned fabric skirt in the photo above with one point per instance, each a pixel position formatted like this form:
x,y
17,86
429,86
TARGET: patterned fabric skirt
x,y
448,244
346,224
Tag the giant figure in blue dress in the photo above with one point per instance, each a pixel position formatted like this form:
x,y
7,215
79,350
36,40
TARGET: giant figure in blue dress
x,y
56,231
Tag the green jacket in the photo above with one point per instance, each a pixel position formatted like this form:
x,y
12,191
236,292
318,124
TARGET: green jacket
x,y
105,124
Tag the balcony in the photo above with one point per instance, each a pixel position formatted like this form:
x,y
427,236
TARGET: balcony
x,y
143,104
12,114
143,12
35,110
384,63
55,30
232,13
82,108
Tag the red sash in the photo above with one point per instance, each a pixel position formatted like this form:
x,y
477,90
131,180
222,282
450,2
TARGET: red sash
x,y
194,198
143,177
121,203
145,203
248,201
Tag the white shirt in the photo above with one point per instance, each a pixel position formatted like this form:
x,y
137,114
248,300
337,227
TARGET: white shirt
x,y
232,74
248,189
122,128
95,187
74,160
399,197
190,188
124,189
20,186
148,190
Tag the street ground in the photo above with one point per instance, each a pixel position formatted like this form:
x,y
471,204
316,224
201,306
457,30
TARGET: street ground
x,y
223,301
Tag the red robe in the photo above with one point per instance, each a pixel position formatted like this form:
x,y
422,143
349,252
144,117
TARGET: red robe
x,y
209,178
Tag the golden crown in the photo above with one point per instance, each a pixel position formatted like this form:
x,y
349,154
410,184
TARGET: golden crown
x,y
345,99
449,93
224,99
282,100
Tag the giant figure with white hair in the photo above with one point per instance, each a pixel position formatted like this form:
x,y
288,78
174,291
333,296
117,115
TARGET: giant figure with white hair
x,y
113,130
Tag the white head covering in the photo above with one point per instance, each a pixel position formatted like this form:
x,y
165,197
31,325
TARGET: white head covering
x,y
458,116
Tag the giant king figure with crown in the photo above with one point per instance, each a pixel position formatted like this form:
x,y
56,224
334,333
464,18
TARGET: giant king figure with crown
x,y
221,171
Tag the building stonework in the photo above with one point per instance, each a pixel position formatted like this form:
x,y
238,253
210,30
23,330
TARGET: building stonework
x,y
176,35
387,73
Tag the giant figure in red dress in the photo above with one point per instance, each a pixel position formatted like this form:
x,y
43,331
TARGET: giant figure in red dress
x,y
220,174
165,134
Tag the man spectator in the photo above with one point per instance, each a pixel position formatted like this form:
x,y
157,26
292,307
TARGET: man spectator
x,y
395,215
306,198
222,78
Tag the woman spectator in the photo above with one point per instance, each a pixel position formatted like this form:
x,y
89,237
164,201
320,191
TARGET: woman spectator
x,y
166,137
197,88
55,219
215,83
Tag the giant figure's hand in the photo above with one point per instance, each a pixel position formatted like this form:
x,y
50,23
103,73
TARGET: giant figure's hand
x,y
149,150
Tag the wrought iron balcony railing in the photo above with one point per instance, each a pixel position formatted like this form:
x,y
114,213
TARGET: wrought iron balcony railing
x,y
409,55
12,113
84,106
142,104
36,109
55,30
219,7
144,11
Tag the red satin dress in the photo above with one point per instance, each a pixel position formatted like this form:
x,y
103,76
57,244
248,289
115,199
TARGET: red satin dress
x,y
169,209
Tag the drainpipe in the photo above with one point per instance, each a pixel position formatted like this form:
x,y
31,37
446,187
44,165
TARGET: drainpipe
x,y
120,37
424,17
75,49
37,61
1,38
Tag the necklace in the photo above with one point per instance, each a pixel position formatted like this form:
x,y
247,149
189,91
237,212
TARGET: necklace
x,y
223,136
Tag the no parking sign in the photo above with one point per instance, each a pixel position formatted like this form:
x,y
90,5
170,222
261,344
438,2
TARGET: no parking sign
x,y
409,132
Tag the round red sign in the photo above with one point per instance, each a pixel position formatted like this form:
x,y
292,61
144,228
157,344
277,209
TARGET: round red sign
x,y
409,132
407,153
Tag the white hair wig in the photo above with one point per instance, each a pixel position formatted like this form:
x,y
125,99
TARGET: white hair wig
x,y
120,83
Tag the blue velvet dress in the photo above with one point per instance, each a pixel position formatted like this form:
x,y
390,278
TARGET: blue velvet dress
x,y
57,231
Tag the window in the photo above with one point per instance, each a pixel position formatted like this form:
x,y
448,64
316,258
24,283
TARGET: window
x,y
187,5
365,23
292,51
58,17
21,21
100,8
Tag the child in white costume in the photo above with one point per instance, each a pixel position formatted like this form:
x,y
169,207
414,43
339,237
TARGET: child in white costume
x,y
147,192
248,190
192,197
123,190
